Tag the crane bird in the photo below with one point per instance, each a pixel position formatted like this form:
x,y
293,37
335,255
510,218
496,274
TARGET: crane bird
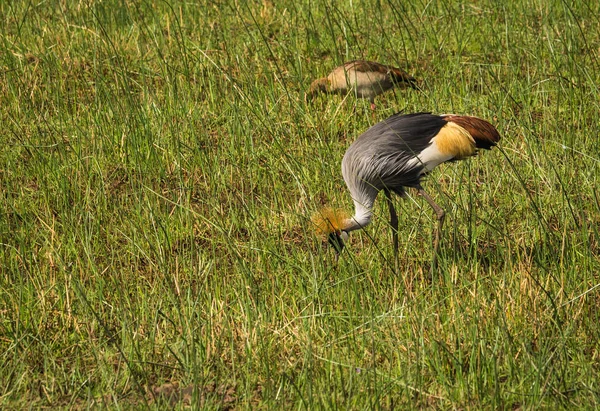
x,y
367,79
395,154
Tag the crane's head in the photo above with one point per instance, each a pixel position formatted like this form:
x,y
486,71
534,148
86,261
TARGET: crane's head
x,y
331,223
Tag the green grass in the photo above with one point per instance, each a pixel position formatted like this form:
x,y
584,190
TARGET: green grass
x,y
158,172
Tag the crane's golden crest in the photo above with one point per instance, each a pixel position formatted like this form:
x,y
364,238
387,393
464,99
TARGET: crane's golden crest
x,y
454,140
329,220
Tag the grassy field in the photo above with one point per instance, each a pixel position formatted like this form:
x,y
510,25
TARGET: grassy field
x,y
159,167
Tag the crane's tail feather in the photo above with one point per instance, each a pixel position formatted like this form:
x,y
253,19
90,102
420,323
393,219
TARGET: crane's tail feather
x,y
329,220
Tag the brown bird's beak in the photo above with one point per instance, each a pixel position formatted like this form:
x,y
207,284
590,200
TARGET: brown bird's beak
x,y
414,84
318,86
309,96
311,93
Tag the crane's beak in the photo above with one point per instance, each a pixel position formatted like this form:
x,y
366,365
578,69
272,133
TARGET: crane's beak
x,y
338,241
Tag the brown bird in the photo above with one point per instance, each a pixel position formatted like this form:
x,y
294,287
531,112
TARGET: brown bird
x,y
367,79
396,154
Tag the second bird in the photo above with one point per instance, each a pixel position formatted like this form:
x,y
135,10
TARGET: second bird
x,y
367,79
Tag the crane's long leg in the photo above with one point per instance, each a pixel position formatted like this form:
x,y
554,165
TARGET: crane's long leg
x,y
394,225
441,214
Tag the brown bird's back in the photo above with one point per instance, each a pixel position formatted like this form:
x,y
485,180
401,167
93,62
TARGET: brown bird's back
x,y
397,76
367,79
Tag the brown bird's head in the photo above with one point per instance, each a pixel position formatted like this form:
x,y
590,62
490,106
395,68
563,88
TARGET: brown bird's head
x,y
403,80
412,83
320,85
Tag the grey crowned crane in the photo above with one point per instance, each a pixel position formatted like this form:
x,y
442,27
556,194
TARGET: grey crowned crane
x,y
395,154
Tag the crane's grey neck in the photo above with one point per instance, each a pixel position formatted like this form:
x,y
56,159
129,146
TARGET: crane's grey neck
x,y
362,216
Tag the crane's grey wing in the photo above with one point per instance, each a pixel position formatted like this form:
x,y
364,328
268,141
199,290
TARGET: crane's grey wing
x,y
380,157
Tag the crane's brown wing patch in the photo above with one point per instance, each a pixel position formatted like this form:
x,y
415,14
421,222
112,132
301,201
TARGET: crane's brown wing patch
x,y
485,135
